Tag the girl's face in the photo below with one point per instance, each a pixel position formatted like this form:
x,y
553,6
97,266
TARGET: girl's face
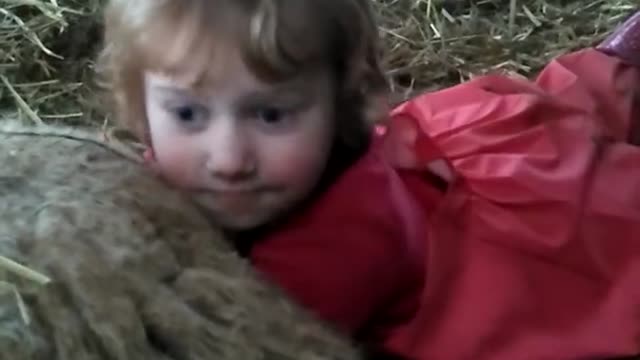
x,y
246,151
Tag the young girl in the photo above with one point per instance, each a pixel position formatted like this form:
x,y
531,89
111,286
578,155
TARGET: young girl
x,y
496,219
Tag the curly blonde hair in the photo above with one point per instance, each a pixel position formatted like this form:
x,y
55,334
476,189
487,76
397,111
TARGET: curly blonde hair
x,y
277,38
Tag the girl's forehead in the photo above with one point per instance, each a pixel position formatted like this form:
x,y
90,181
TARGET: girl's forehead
x,y
235,79
201,60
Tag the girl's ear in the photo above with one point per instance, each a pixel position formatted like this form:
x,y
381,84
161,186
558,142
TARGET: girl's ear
x,y
148,156
149,160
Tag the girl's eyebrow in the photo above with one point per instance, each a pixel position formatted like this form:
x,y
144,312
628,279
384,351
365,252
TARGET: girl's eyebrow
x,y
277,98
173,93
290,91
293,91
171,90
272,95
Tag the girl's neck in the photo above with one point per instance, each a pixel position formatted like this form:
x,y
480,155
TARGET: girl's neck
x,y
341,158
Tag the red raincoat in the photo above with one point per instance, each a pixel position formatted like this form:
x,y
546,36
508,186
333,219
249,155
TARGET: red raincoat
x,y
532,252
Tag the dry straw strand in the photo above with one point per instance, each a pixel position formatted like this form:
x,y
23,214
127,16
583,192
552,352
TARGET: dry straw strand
x,y
24,313
23,271
21,103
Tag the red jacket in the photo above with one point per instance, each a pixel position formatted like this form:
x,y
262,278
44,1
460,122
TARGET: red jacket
x,y
533,252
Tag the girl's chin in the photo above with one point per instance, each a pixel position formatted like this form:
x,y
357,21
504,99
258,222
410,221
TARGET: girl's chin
x,y
239,215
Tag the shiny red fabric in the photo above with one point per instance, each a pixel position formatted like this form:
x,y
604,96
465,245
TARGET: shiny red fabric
x,y
533,252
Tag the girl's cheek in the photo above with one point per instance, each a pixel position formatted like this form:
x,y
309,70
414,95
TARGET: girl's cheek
x,y
299,167
173,166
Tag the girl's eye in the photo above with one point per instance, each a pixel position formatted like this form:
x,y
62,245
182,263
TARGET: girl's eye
x,y
272,119
270,115
190,115
185,113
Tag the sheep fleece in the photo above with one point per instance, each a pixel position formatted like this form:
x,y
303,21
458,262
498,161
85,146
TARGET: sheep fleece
x,y
137,273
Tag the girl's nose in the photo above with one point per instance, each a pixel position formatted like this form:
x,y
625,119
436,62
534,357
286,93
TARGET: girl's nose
x,y
230,156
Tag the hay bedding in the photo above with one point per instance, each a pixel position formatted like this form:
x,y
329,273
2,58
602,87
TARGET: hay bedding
x,y
136,272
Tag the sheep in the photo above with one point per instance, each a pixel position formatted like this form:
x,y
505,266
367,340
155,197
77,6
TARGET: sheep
x,y
129,268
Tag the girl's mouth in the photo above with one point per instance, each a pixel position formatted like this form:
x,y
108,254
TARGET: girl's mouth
x,y
234,200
